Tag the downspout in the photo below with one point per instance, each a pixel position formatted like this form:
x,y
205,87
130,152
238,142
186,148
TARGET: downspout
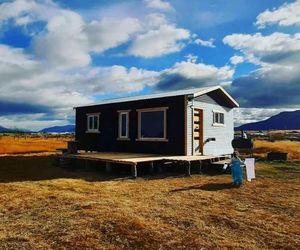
x,y
190,105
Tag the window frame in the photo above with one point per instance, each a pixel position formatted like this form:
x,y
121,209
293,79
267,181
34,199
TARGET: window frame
x,y
93,130
217,122
120,113
161,139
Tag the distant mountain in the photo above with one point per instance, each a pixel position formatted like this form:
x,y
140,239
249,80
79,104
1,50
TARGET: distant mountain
x,y
13,130
2,129
59,129
282,121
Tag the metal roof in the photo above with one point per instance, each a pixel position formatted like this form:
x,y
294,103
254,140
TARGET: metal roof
x,y
191,92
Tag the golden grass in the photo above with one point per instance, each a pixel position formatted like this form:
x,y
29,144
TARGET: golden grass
x,y
22,144
261,148
45,207
27,145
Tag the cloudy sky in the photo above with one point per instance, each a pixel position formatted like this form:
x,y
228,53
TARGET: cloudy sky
x,y
58,54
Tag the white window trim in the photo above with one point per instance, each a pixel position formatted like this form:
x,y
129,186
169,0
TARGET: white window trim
x,y
87,125
218,124
126,137
162,139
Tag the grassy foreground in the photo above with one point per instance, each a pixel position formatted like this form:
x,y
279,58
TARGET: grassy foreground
x,y
45,207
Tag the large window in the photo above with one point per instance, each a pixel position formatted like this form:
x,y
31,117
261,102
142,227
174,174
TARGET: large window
x,y
218,118
123,125
93,123
152,124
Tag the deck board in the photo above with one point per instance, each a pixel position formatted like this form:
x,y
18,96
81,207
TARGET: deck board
x,y
134,158
227,161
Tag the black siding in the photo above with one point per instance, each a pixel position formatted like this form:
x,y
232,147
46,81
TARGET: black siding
x,y
106,140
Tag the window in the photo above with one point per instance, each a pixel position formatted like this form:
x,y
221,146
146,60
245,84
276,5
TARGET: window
x,y
123,124
152,124
93,123
218,118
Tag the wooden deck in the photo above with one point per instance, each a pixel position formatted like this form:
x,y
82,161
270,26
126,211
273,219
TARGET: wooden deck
x,y
134,159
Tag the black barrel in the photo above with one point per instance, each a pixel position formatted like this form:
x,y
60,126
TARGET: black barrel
x,y
243,143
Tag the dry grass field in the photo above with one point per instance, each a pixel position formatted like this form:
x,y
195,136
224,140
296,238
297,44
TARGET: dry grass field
x,y
261,148
46,207
26,144
43,206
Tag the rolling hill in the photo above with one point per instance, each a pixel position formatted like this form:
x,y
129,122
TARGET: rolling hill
x,y
59,129
3,129
287,120
13,130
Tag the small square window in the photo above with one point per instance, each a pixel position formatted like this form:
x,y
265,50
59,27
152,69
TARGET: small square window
x,y
218,118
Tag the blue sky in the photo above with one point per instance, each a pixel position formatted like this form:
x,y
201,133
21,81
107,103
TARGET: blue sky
x,y
58,54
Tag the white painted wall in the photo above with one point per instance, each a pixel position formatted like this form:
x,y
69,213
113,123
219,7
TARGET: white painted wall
x,y
223,134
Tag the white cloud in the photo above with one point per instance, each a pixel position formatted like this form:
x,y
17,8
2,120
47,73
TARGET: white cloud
x,y
164,40
158,38
155,20
276,82
236,59
15,9
14,56
286,15
63,44
275,48
258,43
96,36
109,33
25,81
159,5
117,79
82,38
58,74
200,71
68,40
209,43
189,74
27,11
191,58
57,89
52,93
269,87
33,122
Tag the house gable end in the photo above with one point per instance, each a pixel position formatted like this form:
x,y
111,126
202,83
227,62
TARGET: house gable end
x,y
218,97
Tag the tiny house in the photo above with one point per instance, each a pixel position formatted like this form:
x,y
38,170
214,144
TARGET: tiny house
x,y
185,122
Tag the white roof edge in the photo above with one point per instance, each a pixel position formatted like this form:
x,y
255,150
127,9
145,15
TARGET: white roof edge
x,y
194,92
230,97
215,88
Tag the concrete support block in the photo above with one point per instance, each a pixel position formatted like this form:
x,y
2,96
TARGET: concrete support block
x,y
108,167
86,164
188,168
151,167
134,171
200,167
